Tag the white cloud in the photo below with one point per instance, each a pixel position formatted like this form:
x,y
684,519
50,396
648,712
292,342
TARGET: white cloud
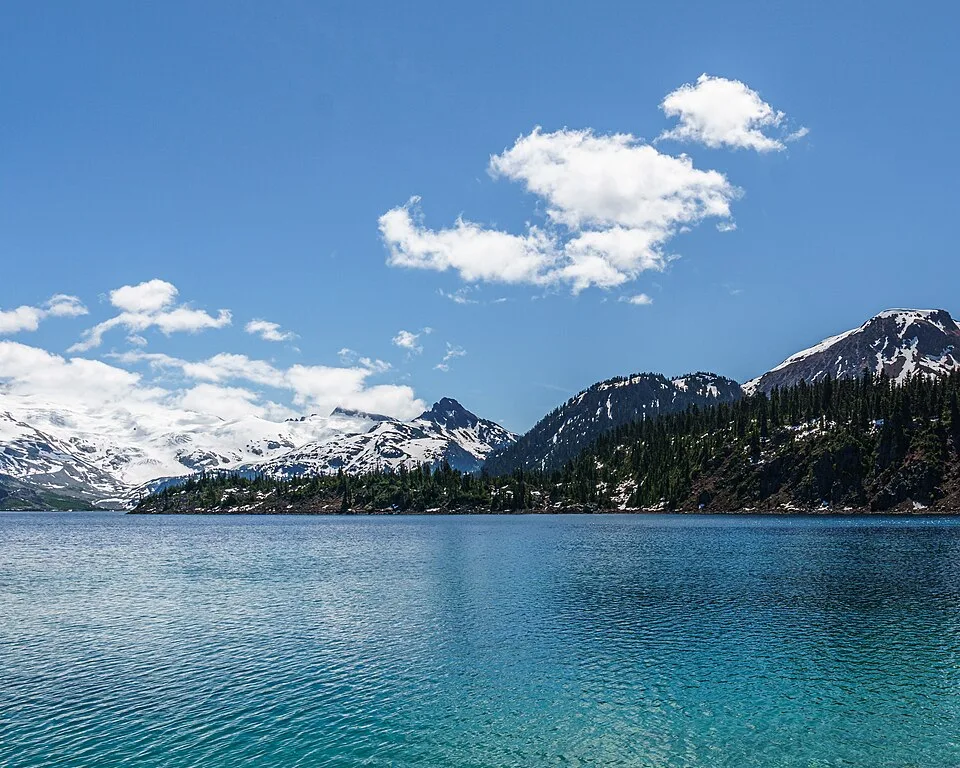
x,y
20,319
470,249
611,203
151,305
726,226
640,300
725,113
268,331
318,388
148,297
453,352
64,305
408,341
459,296
27,318
33,371
228,402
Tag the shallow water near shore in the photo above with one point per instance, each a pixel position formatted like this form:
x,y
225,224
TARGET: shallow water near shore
x,y
642,640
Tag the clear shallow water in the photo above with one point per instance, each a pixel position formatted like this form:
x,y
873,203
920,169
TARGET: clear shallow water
x,y
478,641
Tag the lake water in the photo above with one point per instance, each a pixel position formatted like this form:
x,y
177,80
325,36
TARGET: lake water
x,y
478,641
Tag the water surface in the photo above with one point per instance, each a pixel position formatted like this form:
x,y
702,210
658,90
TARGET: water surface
x,y
478,641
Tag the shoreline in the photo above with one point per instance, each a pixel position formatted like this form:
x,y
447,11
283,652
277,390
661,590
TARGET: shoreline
x,y
924,512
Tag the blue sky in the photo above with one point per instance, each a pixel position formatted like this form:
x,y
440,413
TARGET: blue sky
x,y
246,152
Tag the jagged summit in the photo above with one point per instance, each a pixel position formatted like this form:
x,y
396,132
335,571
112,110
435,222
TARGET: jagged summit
x,y
449,413
898,342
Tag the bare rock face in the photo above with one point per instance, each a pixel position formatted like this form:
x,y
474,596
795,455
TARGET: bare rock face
x,y
899,342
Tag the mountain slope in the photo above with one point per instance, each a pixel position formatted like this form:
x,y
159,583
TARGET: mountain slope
x,y
898,343
447,432
562,434
861,443
857,445
111,454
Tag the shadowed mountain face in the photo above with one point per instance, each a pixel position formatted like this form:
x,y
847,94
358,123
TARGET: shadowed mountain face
x,y
899,343
562,434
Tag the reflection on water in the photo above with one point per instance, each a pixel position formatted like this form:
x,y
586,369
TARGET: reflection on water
x,y
486,641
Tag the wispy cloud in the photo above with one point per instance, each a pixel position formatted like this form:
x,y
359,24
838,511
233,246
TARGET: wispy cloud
x,y
409,341
151,304
453,352
268,331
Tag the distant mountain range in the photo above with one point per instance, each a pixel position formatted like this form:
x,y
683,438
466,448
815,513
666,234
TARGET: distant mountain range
x,y
52,453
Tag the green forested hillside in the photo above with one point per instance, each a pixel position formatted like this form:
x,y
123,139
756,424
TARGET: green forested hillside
x,y
861,444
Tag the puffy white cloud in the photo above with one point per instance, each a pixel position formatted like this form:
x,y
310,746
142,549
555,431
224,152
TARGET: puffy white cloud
x,y
268,331
325,387
27,318
475,252
725,113
611,202
147,297
453,351
409,341
29,370
591,181
151,305
640,300
20,319
318,388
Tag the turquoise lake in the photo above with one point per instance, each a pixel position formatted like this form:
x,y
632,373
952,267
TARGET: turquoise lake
x,y
478,641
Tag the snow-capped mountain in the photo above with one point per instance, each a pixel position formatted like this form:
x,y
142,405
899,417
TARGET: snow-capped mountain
x,y
447,432
562,434
108,455
898,342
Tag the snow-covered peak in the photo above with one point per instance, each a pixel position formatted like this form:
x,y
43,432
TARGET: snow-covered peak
x,y
105,453
898,342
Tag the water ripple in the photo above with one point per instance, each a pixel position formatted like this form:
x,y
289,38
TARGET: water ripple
x,y
494,641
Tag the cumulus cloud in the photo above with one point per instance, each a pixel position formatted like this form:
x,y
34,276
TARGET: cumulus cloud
x,y
28,318
475,252
718,112
453,352
318,388
148,297
151,304
611,204
33,371
268,331
409,341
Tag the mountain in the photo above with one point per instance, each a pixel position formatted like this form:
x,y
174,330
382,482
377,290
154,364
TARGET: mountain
x,y
855,445
109,456
899,343
448,432
563,433
15,495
